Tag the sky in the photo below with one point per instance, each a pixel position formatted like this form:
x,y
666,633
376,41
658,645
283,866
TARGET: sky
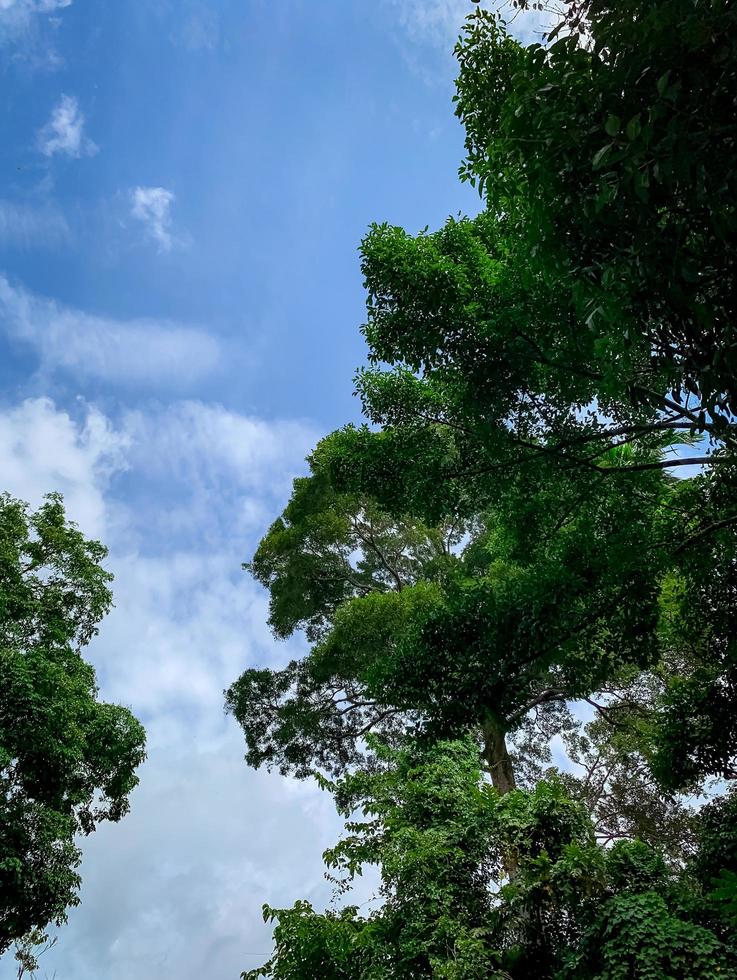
x,y
184,185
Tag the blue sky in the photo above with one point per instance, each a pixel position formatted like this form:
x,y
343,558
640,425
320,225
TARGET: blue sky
x,y
185,184
273,134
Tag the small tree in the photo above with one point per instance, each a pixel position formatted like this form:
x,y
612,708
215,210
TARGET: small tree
x,y
67,760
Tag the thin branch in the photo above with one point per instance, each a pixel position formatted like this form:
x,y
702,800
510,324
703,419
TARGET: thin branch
x,y
371,543
666,464
544,697
705,531
623,430
603,710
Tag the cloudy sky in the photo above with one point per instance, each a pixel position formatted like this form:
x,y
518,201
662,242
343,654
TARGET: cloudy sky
x,y
184,187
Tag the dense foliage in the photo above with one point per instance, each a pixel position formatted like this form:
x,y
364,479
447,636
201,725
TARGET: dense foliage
x,y
511,537
561,906
67,760
611,152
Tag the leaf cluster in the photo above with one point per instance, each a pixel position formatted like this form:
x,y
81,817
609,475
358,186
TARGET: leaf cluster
x,y
67,760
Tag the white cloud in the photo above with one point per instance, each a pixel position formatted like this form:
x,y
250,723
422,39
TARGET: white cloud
x,y
26,8
43,449
198,30
176,888
22,24
63,133
439,22
219,444
152,206
25,226
138,351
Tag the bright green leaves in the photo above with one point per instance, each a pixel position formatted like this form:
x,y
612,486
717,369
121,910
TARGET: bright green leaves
x,y
638,936
309,945
427,826
329,547
505,537
553,588
67,761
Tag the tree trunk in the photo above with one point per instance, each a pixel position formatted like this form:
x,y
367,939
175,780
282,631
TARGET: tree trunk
x,y
496,755
500,767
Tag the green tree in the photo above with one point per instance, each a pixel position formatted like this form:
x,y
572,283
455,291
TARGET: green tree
x,y
67,760
479,884
536,376
610,152
464,625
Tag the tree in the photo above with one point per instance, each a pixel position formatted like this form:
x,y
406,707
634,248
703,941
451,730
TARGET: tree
x,y
479,884
416,632
428,828
537,376
67,760
695,733
610,151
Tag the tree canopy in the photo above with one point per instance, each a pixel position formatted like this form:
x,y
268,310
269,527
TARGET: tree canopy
x,y
67,760
512,534
438,629
610,150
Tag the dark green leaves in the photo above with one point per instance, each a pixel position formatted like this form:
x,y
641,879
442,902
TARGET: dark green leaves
x,y
647,101
67,760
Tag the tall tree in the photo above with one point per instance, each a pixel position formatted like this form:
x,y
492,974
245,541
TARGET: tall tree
x,y
536,377
465,625
67,760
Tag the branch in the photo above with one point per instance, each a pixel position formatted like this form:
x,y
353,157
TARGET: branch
x,y
544,697
377,719
666,464
371,543
716,526
622,430
698,423
603,710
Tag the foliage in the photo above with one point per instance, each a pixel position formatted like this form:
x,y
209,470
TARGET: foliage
x,y
29,949
506,535
609,770
611,153
696,730
478,884
637,936
429,829
526,607
67,760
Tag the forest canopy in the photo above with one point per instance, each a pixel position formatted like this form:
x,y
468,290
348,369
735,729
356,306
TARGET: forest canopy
x,y
518,579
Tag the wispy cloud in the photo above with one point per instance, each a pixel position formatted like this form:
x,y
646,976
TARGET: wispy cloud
x,y
26,226
439,22
198,29
137,351
152,207
175,889
42,449
26,24
63,133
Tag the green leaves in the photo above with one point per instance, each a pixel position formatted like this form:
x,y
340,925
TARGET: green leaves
x,y
612,125
506,535
657,83
67,761
634,127
600,156
444,843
